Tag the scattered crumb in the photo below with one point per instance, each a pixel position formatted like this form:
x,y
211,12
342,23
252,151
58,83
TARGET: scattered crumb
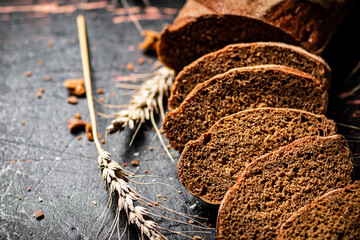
x,y
75,124
28,73
39,95
75,86
132,174
40,199
72,100
150,41
196,215
39,214
93,202
57,159
88,130
47,78
172,153
78,115
136,162
197,238
145,171
145,159
179,192
50,44
42,63
151,148
100,90
141,61
28,189
158,196
136,154
163,154
165,199
79,138
101,100
22,122
42,90
99,135
191,222
19,198
181,204
168,147
130,66
102,141
156,203
124,164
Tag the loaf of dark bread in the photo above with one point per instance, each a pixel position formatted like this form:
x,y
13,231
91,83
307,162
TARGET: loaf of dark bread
x,y
209,166
240,89
244,55
336,215
279,183
204,26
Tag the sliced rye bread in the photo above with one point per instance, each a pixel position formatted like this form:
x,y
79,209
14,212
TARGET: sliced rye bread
x,y
336,215
244,55
240,89
204,26
279,183
210,165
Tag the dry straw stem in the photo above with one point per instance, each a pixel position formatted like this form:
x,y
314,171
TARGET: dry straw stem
x,y
148,99
113,175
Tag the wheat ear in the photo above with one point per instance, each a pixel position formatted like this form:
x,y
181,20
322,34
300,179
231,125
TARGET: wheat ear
x,y
113,175
148,99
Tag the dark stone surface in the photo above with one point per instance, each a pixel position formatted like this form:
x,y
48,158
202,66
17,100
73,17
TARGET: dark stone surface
x,y
61,170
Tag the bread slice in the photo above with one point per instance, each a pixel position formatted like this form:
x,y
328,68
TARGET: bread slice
x,y
210,165
277,184
244,55
240,89
336,215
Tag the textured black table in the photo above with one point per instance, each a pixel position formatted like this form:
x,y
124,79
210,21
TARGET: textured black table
x,y
62,170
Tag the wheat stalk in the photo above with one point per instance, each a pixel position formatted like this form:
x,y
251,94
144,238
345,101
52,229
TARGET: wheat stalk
x,y
113,175
142,105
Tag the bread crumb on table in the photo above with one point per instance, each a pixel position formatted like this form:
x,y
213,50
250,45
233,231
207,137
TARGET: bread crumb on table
x,y
72,100
39,214
28,73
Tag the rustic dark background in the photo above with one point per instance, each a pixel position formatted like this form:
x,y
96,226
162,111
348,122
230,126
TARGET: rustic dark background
x,y
62,170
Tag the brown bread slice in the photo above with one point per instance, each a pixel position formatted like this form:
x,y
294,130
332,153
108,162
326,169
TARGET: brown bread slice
x,y
336,215
210,165
277,184
204,26
244,55
240,89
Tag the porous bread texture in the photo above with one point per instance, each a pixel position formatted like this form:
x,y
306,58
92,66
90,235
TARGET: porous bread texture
x,y
277,184
210,165
244,55
204,26
240,89
336,215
